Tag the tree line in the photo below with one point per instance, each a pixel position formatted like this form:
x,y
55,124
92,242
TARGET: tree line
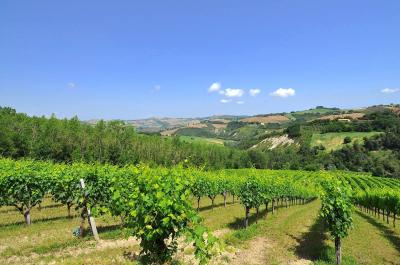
x,y
114,142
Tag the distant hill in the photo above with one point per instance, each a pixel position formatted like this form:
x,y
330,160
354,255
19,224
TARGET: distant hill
x,y
217,123
159,124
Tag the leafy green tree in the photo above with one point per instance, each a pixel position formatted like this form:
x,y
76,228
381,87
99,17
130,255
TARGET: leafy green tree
x,y
347,140
294,131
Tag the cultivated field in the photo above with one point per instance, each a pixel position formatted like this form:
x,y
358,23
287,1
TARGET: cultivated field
x,y
266,119
195,139
293,235
284,221
351,116
333,141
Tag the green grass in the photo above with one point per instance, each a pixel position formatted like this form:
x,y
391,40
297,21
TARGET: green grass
x,y
372,241
290,234
247,131
333,141
196,139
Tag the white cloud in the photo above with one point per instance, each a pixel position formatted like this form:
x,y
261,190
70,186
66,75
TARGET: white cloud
x,y
71,85
390,90
214,87
240,102
284,92
234,92
225,100
254,92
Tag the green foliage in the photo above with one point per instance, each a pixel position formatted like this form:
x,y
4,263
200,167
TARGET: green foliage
x,y
123,183
65,188
97,185
198,132
294,131
23,184
337,208
159,212
114,142
199,188
203,241
251,193
346,140
117,143
384,199
155,203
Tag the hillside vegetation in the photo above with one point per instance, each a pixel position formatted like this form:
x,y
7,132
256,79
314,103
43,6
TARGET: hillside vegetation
x,y
320,138
304,142
195,139
333,141
112,142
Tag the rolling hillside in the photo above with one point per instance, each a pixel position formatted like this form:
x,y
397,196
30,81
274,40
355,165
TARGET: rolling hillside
x,y
332,141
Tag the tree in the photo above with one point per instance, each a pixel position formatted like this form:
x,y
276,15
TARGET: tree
x,y
346,140
294,131
114,142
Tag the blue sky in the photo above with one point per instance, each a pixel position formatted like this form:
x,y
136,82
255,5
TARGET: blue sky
x,y
136,59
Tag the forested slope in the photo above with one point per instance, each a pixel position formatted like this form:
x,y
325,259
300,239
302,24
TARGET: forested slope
x,y
113,142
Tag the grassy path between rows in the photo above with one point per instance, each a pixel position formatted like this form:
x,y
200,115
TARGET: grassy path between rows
x,y
372,241
297,236
283,234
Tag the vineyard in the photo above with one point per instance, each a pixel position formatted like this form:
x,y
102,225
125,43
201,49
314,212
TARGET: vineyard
x,y
162,207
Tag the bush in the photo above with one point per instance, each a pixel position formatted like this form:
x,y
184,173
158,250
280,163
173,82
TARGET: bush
x,y
346,140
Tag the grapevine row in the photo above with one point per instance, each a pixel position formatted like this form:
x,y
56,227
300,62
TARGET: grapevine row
x,y
156,203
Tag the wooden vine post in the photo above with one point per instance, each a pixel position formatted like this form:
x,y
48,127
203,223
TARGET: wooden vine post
x,y
86,211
